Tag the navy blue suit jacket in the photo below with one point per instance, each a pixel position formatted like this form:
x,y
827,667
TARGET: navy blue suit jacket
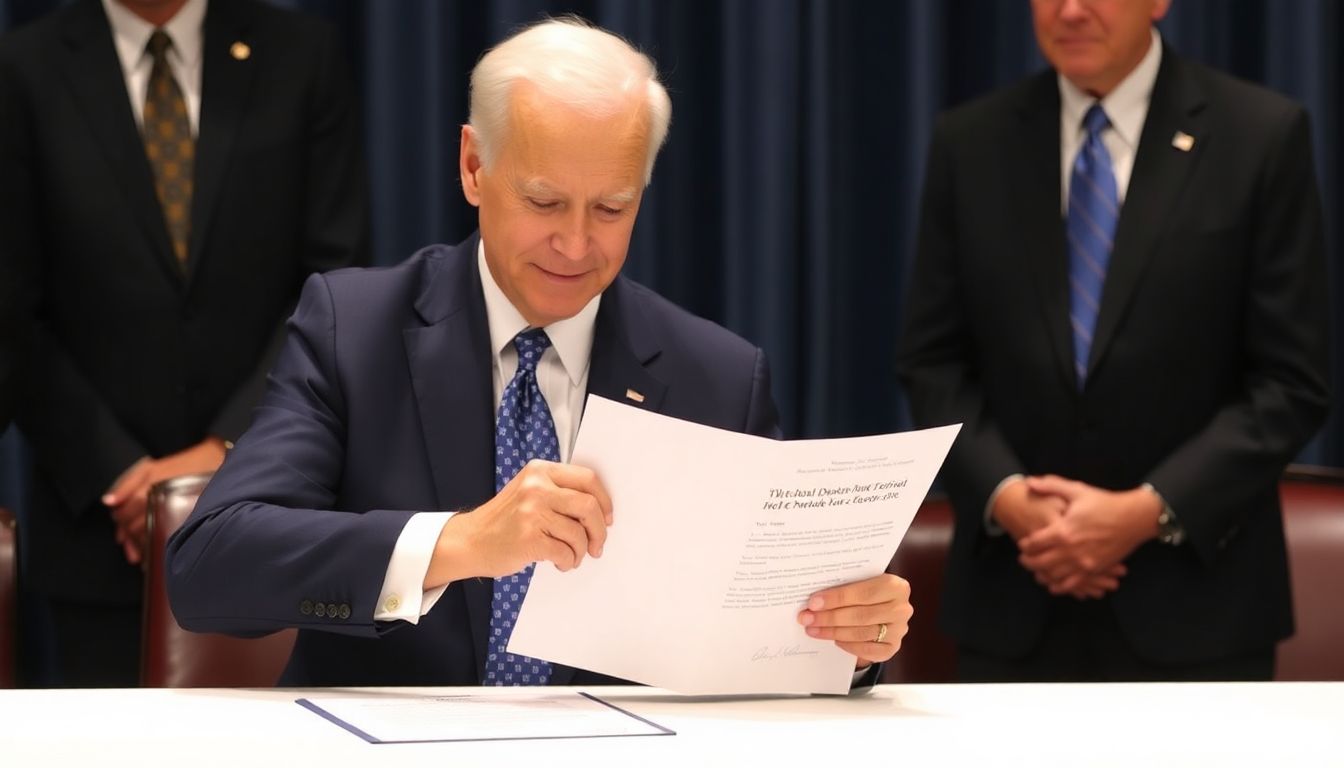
x,y
381,405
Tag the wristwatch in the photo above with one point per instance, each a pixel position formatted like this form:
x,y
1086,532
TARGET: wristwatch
x,y
1169,529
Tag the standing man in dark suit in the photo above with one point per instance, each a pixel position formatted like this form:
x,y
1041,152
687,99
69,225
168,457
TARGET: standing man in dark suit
x,y
1120,290
173,171
456,381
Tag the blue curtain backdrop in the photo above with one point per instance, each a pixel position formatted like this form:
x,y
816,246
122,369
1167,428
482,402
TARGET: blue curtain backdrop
x,y
784,203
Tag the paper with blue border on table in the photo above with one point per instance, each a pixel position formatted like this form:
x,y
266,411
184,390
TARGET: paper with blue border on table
x,y
719,538
407,716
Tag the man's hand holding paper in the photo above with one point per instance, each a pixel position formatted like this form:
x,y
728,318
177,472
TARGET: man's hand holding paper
x,y
549,512
867,618
710,582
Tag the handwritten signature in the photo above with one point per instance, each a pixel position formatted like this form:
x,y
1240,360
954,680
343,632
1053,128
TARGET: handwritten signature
x,y
766,653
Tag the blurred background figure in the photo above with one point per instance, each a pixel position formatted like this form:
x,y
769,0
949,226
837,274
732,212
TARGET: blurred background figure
x,y
173,170
1120,289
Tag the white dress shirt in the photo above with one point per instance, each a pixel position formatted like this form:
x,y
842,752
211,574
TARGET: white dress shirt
x,y
130,35
562,377
1126,106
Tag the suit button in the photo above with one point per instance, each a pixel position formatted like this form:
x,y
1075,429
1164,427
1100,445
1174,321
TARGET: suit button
x,y
320,609
392,603
306,607
332,610
345,611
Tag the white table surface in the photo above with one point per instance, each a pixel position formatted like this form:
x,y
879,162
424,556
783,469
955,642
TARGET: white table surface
x,y
1265,724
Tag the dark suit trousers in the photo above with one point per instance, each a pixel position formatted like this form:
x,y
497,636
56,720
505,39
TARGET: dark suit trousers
x,y
1083,643
95,645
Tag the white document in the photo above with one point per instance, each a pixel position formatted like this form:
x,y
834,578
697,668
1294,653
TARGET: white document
x,y
719,539
391,718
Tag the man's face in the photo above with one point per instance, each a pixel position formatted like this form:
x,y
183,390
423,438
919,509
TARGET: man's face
x,y
558,204
1095,43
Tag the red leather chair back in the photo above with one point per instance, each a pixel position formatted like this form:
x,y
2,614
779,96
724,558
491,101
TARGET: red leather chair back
x,y
1313,512
1313,517
175,658
927,654
9,600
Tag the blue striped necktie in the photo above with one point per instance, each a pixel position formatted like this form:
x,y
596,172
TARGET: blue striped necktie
x,y
1094,209
523,431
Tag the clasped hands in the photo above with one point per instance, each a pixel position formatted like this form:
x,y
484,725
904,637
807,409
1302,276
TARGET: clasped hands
x,y
560,513
1072,536
129,493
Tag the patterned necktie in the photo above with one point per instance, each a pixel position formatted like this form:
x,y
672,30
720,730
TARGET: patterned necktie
x,y
1094,209
169,145
523,431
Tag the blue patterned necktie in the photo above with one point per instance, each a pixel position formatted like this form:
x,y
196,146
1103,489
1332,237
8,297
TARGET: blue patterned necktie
x,y
1094,209
523,431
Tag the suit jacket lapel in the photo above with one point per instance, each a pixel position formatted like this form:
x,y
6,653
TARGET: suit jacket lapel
x,y
225,84
93,74
622,345
1156,183
449,361
1032,157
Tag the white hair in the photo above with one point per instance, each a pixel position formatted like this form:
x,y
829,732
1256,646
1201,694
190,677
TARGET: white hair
x,y
575,63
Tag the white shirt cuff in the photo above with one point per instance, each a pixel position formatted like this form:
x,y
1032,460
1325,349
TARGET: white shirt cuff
x,y
991,526
403,595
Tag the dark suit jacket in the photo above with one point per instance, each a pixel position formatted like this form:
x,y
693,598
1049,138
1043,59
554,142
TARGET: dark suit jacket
x,y
131,356
381,405
1208,372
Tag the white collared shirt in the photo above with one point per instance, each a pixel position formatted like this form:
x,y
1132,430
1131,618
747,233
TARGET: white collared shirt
x,y
562,374
130,35
1126,106
562,377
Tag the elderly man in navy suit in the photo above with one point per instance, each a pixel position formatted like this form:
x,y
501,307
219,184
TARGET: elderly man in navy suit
x,y
374,503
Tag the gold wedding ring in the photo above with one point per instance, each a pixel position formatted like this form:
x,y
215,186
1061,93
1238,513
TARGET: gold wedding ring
x,y
881,633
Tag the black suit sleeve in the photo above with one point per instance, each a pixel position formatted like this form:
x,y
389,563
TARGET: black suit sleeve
x,y
936,346
335,226
1286,389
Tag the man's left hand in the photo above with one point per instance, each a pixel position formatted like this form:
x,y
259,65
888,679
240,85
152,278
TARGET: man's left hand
x,y
867,618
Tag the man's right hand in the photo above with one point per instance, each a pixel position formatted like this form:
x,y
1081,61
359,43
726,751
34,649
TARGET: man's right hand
x,y
1020,511
553,512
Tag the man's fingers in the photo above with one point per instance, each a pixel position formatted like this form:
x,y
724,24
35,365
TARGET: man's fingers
x,y
879,589
586,510
866,633
557,552
569,532
583,480
1046,538
852,616
1052,485
872,652
131,551
1055,563
131,480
